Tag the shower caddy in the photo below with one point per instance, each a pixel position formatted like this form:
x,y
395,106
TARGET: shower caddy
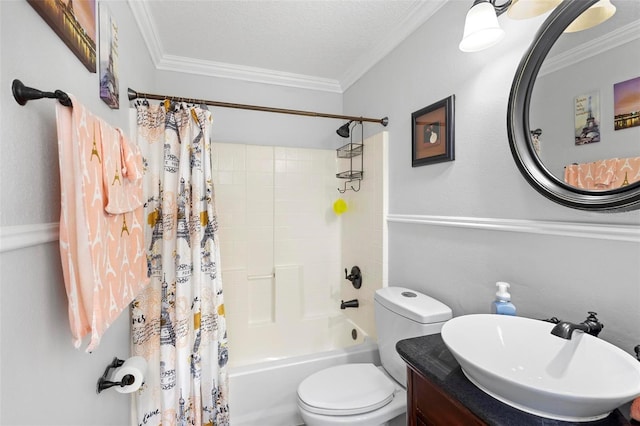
x,y
352,150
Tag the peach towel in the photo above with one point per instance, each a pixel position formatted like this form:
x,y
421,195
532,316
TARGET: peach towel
x,y
635,409
572,175
628,171
122,172
103,255
603,174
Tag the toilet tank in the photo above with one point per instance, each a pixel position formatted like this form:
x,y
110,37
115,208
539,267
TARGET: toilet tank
x,y
401,313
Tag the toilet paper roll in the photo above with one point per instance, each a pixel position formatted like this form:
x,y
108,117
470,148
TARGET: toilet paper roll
x,y
137,367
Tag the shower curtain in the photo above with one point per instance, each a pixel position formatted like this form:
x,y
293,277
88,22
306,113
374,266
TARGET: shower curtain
x,y
178,323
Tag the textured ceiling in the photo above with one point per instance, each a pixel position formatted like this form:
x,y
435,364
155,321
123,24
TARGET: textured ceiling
x,y
329,41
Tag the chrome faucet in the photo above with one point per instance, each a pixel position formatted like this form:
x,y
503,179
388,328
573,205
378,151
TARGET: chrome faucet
x,y
591,325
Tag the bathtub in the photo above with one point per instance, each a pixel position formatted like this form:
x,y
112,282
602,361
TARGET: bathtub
x,y
264,393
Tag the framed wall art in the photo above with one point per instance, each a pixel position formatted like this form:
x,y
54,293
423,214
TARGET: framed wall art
x,y
75,23
432,133
626,99
109,87
587,118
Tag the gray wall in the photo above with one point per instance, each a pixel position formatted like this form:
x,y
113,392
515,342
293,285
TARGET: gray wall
x,y
550,275
256,127
43,379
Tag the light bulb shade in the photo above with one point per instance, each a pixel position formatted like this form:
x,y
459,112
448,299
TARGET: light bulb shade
x,y
595,15
481,28
525,9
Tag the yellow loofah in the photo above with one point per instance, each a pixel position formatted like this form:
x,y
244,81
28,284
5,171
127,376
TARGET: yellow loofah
x,y
340,206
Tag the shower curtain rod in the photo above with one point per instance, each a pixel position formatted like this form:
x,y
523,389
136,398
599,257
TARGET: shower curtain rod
x,y
22,94
133,95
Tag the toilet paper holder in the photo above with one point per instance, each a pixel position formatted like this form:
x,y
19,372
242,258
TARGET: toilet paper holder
x,y
103,383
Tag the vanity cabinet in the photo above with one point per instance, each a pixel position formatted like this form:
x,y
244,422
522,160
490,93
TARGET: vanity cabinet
x,y
439,394
428,405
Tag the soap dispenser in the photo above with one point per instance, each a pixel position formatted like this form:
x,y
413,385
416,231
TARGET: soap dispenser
x,y
502,305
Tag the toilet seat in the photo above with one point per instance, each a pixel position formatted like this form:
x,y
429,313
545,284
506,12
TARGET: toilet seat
x,y
347,389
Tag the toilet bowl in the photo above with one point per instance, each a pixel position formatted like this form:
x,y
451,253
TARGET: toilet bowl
x,y
365,394
350,394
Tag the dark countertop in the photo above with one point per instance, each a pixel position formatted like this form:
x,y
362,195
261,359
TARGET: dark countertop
x,y
429,356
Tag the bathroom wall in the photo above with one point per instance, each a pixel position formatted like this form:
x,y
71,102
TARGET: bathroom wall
x,y
364,229
475,220
43,379
256,127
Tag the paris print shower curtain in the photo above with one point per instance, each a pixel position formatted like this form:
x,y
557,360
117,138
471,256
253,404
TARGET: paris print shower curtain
x,y
178,323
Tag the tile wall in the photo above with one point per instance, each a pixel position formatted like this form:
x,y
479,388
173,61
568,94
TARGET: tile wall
x,y
364,231
280,247
284,250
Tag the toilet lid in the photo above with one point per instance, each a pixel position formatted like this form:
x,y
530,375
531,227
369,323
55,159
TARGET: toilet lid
x,y
345,390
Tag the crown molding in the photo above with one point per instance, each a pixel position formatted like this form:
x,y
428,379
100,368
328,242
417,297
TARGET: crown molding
x,y
591,48
629,233
252,74
166,62
422,11
147,29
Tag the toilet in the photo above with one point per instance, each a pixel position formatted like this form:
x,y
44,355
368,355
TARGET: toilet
x,y
364,394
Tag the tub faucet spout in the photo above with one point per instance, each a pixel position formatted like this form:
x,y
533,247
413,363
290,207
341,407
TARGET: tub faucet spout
x,y
591,325
349,304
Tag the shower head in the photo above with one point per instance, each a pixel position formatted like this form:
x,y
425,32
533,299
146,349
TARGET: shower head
x,y
343,131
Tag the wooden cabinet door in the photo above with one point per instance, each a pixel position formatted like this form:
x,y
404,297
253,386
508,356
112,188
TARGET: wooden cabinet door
x,y
428,405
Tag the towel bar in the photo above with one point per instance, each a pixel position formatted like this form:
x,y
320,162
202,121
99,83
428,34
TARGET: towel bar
x,y
22,94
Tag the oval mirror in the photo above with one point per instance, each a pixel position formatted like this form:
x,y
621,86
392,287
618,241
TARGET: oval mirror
x,y
573,138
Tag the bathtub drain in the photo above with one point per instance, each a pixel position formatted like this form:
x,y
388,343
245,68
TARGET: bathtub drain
x,y
354,334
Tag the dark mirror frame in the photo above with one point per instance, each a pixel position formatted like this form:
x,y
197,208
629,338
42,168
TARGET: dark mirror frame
x,y
619,199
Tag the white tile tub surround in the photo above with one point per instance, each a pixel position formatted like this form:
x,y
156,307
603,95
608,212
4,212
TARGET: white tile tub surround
x,y
280,248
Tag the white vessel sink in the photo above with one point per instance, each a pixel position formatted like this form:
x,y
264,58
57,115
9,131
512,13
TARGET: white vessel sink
x,y
519,362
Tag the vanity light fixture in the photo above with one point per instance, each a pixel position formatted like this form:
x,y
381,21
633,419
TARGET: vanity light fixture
x,y
481,27
482,30
595,15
